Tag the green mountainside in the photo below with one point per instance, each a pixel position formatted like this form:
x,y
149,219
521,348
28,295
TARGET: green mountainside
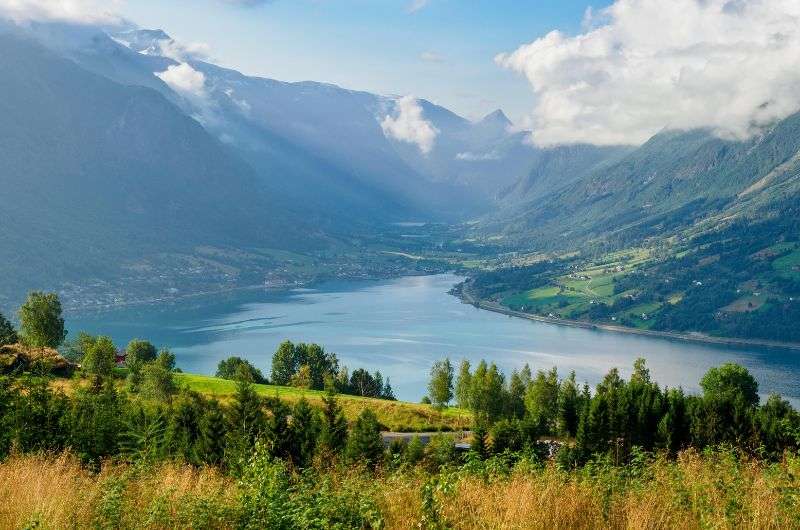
x,y
689,233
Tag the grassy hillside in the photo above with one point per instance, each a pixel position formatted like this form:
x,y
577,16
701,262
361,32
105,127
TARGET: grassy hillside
x,y
393,415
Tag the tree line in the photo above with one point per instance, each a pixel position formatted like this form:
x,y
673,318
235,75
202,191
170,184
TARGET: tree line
x,y
619,417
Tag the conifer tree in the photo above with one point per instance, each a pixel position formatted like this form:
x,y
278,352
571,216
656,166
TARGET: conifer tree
x,y
304,433
568,406
333,435
277,434
365,444
246,419
183,429
211,441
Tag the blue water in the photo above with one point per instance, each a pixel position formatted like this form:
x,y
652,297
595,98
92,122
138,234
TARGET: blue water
x,y
401,326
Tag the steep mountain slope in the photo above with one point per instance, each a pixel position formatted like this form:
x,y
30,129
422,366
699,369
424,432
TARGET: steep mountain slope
x,y
556,168
97,177
671,181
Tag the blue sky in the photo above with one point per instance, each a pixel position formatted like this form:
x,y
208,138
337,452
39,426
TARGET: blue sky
x,y
443,51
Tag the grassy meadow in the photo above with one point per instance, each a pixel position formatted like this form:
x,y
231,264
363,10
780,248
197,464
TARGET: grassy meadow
x,y
393,415
711,490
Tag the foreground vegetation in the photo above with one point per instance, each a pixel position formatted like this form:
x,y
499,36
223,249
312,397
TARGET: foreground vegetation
x,y
716,489
164,449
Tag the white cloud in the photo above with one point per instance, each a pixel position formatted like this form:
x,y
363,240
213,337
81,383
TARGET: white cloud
x,y
180,52
644,65
185,80
409,125
75,11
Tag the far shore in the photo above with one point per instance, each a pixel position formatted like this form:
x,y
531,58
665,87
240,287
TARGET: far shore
x,y
467,298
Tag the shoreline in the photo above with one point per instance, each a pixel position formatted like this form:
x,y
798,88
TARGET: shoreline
x,y
494,307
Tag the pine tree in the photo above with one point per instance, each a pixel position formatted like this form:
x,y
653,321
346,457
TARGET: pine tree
x,y
387,392
333,435
144,438
568,406
183,430
246,418
366,444
277,434
211,441
304,433
94,423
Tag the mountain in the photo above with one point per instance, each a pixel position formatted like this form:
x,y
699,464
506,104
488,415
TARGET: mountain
x,y
100,178
323,144
674,180
144,167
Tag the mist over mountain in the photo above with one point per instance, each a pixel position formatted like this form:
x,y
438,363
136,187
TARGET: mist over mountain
x,y
125,151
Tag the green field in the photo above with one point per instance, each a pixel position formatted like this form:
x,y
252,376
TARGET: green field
x,y
571,295
393,415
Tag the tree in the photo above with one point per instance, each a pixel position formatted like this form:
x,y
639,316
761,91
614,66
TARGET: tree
x,y
366,444
100,356
729,382
303,378
333,435
463,385
304,432
387,392
41,322
568,406
211,442
362,383
478,445
541,400
778,426
236,368
137,354
158,381
320,363
139,351
166,359
515,404
246,416
440,386
183,427
8,335
277,435
487,393
284,364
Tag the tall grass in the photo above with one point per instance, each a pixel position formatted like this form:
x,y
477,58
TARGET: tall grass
x,y
711,490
